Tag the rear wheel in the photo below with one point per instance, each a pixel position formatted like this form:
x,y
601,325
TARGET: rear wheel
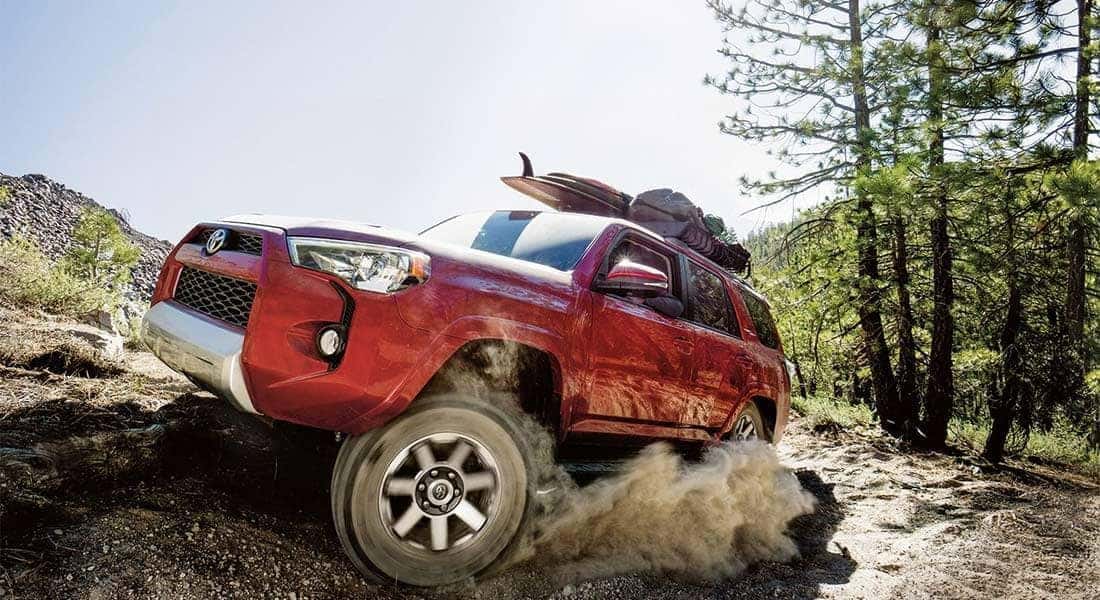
x,y
433,498
749,425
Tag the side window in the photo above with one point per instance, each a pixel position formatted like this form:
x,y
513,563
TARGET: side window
x,y
710,303
762,320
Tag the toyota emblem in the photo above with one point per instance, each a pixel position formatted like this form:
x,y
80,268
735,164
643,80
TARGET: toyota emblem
x,y
217,240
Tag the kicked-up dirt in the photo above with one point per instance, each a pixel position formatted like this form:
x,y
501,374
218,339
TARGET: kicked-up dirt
x,y
121,480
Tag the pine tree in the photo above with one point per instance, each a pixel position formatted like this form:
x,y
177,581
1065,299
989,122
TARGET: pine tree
x,y
816,69
100,252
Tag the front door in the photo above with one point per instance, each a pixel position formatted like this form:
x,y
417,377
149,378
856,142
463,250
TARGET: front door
x,y
639,359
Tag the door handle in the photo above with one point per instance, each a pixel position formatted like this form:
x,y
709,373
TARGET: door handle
x,y
683,344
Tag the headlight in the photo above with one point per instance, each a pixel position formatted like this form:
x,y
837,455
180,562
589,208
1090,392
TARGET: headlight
x,y
365,266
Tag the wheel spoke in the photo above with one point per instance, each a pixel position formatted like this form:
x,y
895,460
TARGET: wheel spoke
x,y
424,456
400,487
479,481
459,454
439,532
746,430
404,525
470,515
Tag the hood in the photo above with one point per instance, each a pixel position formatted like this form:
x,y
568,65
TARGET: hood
x,y
327,228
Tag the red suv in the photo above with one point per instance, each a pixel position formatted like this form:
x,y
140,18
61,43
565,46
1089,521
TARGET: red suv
x,y
607,334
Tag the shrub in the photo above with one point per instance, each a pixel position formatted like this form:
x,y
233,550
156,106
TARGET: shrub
x,y
5,196
1062,444
28,278
826,414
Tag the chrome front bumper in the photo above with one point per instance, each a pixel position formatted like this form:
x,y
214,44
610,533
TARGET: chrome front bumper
x,y
208,353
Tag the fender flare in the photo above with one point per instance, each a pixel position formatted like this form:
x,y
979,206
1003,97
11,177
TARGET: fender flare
x,y
458,334
758,391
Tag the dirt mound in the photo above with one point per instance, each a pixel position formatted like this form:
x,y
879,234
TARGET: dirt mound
x,y
37,351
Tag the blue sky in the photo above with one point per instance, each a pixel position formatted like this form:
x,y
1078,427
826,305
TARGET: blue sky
x,y
396,113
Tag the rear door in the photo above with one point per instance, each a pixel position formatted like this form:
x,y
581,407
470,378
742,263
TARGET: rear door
x,y
722,359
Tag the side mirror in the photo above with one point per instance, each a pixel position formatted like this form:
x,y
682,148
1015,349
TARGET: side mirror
x,y
632,278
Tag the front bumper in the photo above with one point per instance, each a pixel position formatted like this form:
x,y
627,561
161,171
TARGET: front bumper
x,y
207,353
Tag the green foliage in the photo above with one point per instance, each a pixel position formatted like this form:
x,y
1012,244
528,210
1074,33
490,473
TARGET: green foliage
x,y
29,279
1079,185
825,413
100,252
890,185
717,226
5,196
1062,444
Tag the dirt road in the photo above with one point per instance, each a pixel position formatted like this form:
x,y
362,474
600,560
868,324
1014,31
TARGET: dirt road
x,y
132,484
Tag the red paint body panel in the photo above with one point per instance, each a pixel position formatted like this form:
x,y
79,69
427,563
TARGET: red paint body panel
x,y
639,362
621,369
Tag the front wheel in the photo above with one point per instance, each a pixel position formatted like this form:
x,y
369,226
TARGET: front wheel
x,y
433,498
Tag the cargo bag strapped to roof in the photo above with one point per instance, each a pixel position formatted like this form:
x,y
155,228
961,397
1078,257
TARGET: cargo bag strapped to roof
x,y
665,212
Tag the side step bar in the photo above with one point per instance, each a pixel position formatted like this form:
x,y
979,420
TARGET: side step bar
x,y
593,467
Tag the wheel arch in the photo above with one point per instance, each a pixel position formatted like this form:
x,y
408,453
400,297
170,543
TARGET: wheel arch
x,y
769,412
492,365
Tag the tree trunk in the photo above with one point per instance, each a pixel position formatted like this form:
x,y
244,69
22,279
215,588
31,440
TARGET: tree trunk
x,y
817,355
939,396
907,348
1077,242
1003,406
1003,401
1084,73
870,315
802,388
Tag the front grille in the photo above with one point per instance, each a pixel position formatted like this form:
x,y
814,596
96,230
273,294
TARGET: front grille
x,y
220,297
249,243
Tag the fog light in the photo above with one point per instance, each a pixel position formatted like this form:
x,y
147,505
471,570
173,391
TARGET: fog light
x,y
330,341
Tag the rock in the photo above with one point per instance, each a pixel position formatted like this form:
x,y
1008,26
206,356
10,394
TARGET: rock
x,y
46,211
109,344
101,319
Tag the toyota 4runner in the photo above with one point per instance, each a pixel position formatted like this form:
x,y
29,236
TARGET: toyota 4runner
x,y
608,334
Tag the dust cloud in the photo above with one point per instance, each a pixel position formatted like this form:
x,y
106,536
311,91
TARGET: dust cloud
x,y
705,520
702,520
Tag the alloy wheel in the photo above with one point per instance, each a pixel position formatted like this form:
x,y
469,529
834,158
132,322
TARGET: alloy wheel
x,y
435,504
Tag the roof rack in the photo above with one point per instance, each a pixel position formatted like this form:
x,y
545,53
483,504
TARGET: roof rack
x,y
664,211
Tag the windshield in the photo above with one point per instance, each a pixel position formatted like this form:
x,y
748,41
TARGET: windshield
x,y
555,240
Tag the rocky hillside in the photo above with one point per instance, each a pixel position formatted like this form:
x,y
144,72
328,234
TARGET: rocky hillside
x,y
46,211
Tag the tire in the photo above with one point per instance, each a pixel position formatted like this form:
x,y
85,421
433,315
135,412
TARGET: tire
x,y
749,425
379,476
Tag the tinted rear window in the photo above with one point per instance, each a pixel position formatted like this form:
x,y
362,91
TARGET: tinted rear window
x,y
762,320
553,239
